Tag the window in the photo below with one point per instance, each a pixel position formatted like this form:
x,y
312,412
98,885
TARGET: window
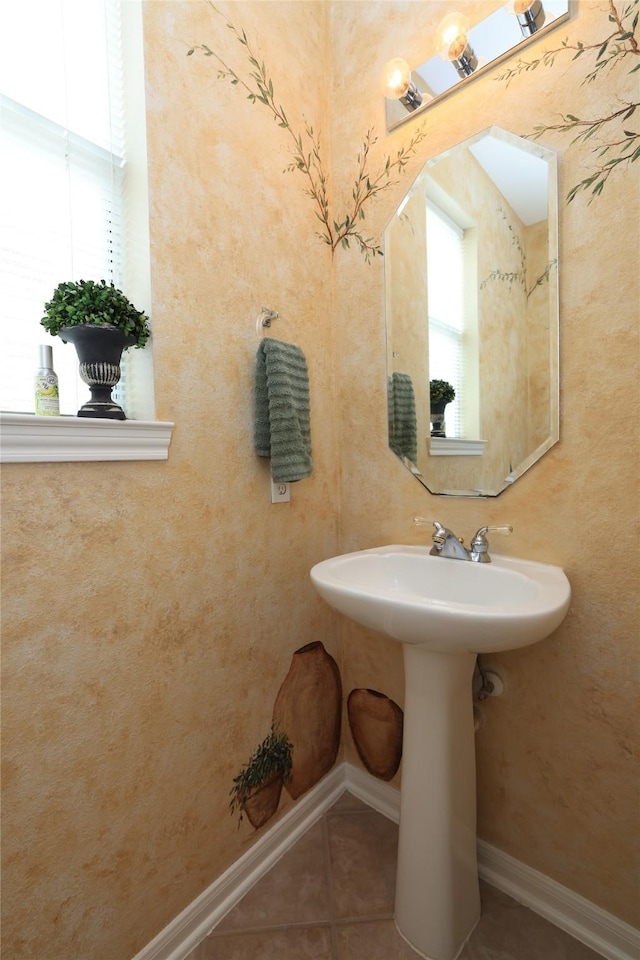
x,y
69,210
452,320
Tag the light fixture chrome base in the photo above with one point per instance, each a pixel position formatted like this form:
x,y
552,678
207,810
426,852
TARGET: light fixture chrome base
x,y
466,63
532,19
412,98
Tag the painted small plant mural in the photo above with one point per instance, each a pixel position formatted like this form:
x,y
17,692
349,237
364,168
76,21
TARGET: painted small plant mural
x,y
519,276
256,789
615,145
338,230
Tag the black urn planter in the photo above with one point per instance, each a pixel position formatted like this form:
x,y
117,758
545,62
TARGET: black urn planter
x,y
437,418
99,350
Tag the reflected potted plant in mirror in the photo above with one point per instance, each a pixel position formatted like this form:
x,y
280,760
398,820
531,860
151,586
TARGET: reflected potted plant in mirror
x,y
441,393
256,789
100,322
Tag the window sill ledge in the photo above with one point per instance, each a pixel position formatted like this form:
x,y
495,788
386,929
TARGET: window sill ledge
x,y
455,447
26,438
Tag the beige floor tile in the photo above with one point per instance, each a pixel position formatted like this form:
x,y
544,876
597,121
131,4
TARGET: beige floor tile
x,y
362,851
351,856
513,932
372,940
294,891
492,897
291,943
347,803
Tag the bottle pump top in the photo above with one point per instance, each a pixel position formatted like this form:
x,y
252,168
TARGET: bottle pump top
x,y
46,356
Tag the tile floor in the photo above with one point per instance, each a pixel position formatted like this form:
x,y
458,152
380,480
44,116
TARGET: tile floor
x,y
331,898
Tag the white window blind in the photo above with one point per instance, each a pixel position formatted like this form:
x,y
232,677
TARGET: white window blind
x,y
445,264
61,215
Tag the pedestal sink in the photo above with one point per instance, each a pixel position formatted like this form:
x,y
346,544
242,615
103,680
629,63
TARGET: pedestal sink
x,y
444,612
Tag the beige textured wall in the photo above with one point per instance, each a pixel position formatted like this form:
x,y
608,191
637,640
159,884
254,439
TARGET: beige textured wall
x,y
558,781
150,610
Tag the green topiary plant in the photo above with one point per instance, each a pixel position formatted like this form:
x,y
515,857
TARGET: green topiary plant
x,y
100,304
441,391
271,758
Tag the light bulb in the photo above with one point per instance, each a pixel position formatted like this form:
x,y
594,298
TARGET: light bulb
x,y
396,78
451,36
518,7
529,14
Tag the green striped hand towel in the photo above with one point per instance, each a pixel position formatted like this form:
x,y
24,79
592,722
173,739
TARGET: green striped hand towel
x,y
403,432
282,428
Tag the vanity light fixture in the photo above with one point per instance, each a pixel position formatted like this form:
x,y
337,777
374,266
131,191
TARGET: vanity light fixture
x,y
463,53
398,84
452,43
529,14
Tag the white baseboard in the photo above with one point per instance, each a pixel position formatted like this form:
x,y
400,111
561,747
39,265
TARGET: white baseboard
x,y
196,921
604,933
372,791
597,929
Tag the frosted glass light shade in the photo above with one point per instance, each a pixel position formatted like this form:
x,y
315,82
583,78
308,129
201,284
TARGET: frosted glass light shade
x,y
518,6
396,78
452,36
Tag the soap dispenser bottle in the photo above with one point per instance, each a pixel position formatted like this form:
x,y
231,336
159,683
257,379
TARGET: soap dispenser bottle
x,y
47,402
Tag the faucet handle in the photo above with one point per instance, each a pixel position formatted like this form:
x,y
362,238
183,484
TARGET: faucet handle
x,y
425,522
480,544
483,531
503,528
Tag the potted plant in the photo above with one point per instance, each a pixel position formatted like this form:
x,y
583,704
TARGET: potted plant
x,y
256,789
100,322
441,393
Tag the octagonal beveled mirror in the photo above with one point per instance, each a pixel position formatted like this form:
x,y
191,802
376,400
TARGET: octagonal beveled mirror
x,y
471,299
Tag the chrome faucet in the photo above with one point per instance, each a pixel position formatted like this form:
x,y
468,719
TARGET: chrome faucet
x,y
446,544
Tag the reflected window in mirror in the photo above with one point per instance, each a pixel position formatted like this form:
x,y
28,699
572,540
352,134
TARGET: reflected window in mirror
x,y
453,318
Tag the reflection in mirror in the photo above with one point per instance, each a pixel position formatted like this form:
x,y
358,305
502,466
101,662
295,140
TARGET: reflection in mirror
x,y
471,290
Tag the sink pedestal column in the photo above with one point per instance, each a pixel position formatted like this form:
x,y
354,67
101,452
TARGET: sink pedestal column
x,y
437,895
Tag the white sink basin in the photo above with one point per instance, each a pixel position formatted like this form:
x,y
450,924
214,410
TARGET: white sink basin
x,y
442,604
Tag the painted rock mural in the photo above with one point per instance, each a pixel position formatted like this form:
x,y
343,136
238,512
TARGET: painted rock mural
x,y
376,724
308,707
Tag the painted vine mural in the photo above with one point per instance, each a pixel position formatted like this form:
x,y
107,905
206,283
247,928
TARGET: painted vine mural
x,y
619,147
338,229
519,276
614,144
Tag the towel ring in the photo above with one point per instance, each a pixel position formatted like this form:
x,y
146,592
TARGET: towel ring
x,y
265,317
